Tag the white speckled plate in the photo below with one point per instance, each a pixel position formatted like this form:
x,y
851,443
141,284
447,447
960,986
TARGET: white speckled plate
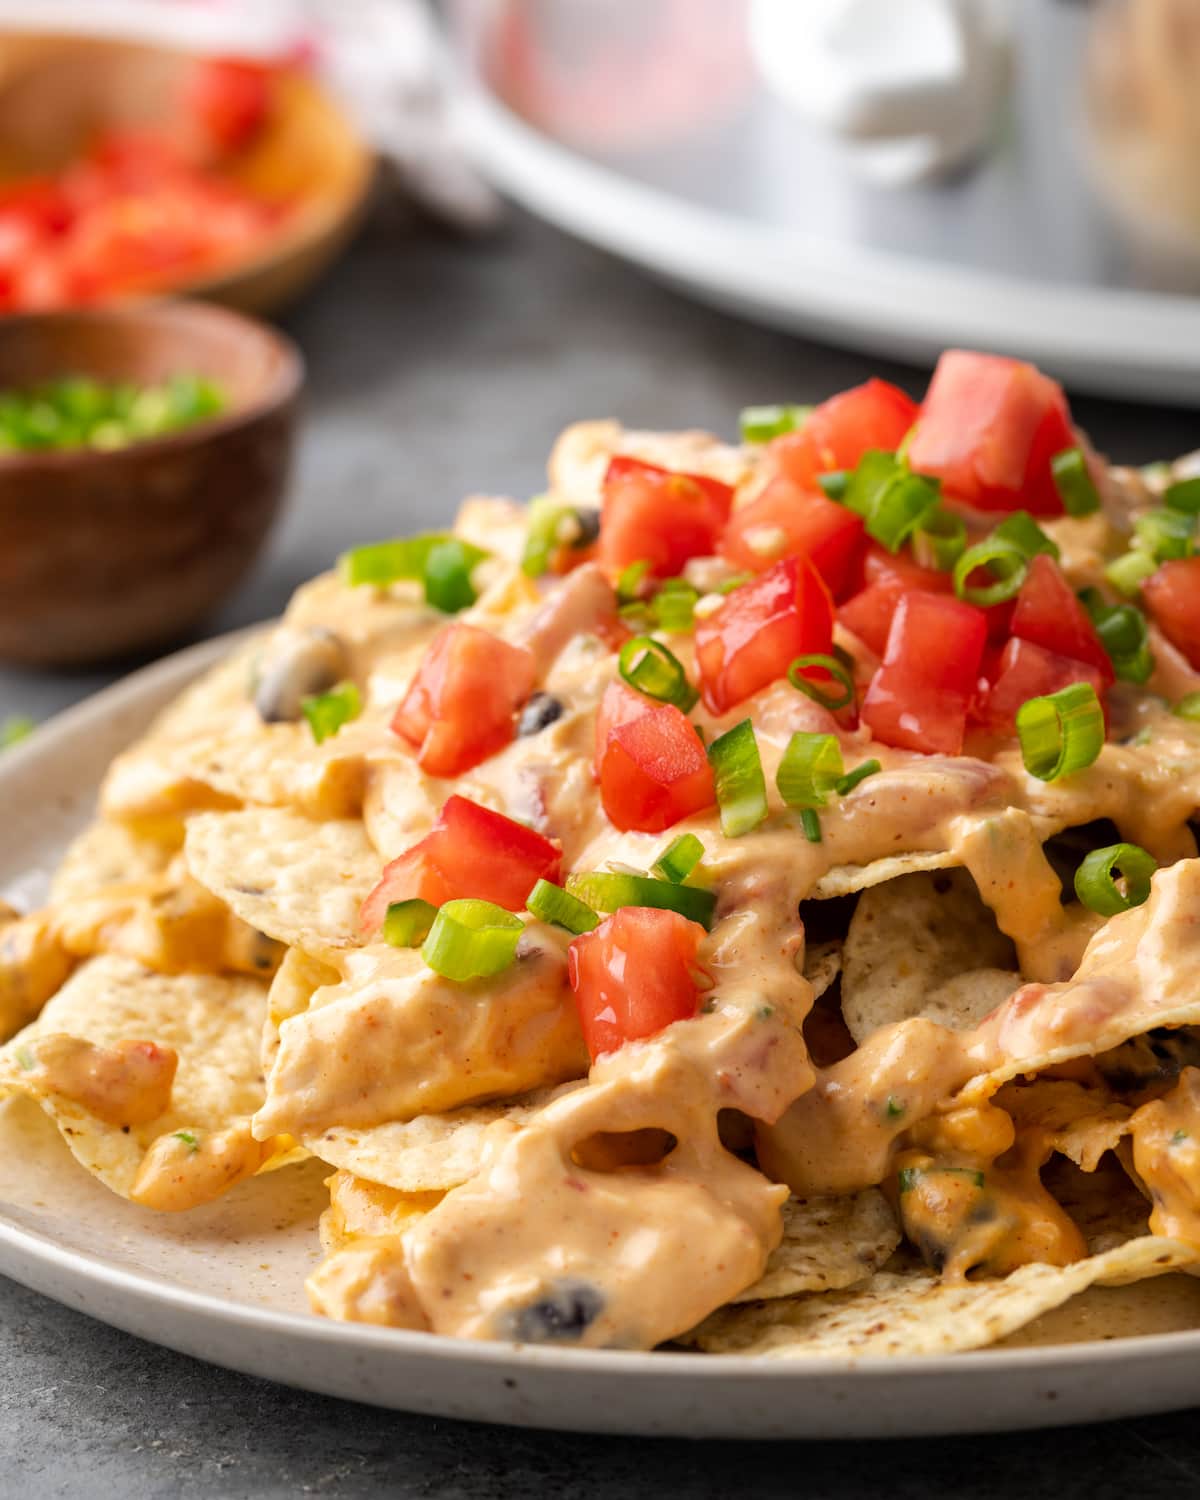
x,y
224,1283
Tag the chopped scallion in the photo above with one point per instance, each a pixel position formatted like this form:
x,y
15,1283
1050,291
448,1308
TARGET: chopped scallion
x,y
860,773
835,483
630,580
1129,572
1062,732
1188,707
811,824
1165,534
14,729
550,903
1003,559
939,539
1074,482
1184,495
673,607
1021,529
1122,632
407,923
759,424
679,858
327,712
472,939
447,575
549,519
890,499
813,690
605,891
1096,886
741,785
811,768
647,665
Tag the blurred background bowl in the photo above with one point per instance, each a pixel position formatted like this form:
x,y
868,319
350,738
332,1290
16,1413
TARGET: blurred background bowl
x,y
58,93
110,552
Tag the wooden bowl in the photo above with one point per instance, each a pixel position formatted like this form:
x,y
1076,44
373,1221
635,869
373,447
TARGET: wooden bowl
x,y
108,552
56,92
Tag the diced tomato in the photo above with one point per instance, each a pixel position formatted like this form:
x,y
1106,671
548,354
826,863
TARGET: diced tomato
x,y
650,764
649,512
760,629
229,99
470,851
1173,597
988,429
461,705
1026,670
888,578
1049,615
633,975
918,698
840,430
786,521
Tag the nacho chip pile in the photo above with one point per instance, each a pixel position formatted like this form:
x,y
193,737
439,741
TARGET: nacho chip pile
x,y
400,886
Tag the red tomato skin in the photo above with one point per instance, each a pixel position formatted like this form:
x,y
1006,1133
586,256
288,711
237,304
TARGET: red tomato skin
x,y
650,764
664,518
460,706
809,525
229,99
1026,670
918,698
633,975
470,851
840,430
1048,614
988,429
760,629
888,577
1172,595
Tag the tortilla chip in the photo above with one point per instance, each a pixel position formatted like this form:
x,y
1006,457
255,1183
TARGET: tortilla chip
x,y
828,1243
914,1312
430,1154
212,1023
298,881
33,964
822,965
108,854
358,1208
845,880
1080,1123
924,945
296,981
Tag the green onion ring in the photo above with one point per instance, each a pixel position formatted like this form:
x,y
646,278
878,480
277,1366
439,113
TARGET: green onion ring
x,y
939,539
1096,888
1003,557
1062,732
327,712
647,665
1074,483
738,773
811,690
550,903
811,768
472,939
860,773
679,858
605,891
1188,707
407,923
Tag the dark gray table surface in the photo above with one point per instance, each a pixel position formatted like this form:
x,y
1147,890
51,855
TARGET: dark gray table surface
x,y
436,368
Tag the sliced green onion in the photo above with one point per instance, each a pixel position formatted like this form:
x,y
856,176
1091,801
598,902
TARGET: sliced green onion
x,y
1122,632
860,773
1188,707
548,519
1183,495
741,785
890,499
1098,890
810,769
1005,561
647,665
472,940
760,424
1165,534
1025,532
603,891
381,563
1129,572
674,606
327,712
679,858
1062,732
813,690
735,581
630,580
939,539
811,824
551,903
189,1138
14,729
835,483
909,1177
407,923
1074,483
447,575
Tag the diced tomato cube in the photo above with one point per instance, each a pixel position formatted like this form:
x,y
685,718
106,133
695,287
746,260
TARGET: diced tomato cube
x,y
988,429
1048,614
460,706
1026,670
229,98
918,698
787,521
760,629
650,764
634,975
839,431
1173,597
470,851
664,518
888,578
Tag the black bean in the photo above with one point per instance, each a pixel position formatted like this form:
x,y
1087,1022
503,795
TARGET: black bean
x,y
539,713
562,1316
588,520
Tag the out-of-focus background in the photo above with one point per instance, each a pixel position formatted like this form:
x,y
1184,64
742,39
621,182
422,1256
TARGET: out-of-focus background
x,y
457,229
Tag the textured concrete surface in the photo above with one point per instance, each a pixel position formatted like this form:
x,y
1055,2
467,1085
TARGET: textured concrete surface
x,y
438,368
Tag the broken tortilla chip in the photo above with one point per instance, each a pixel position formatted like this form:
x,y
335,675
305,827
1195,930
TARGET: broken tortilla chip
x,y
827,1243
359,1208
